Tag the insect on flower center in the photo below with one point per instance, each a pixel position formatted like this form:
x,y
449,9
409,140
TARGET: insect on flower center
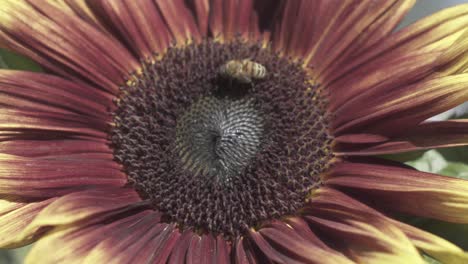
x,y
222,136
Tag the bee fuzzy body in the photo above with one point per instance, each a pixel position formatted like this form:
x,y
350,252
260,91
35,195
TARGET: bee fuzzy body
x,y
243,71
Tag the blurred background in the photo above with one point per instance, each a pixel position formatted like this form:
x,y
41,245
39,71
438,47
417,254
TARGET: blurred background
x,y
450,162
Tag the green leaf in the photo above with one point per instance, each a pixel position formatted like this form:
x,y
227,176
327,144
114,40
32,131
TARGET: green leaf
x,y
430,260
445,162
456,169
431,161
10,60
404,157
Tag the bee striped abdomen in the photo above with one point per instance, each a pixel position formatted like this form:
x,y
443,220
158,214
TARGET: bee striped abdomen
x,y
243,70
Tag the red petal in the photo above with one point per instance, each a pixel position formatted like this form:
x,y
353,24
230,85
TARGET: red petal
x,y
373,80
52,176
179,20
281,243
43,92
195,249
425,136
201,250
406,107
231,17
38,148
67,124
139,23
202,13
65,44
353,30
406,190
243,252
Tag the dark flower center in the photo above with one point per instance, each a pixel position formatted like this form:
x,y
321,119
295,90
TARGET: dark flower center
x,y
217,153
217,138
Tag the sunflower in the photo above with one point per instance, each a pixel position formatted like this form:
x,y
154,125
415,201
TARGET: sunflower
x,y
234,131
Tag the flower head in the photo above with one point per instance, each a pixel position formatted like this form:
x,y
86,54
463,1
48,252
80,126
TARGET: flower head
x,y
228,131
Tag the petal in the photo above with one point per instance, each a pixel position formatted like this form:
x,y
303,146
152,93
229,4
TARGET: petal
x,y
144,241
202,14
391,13
66,124
40,148
433,245
281,243
408,106
33,219
244,253
193,248
455,60
361,25
429,243
201,249
44,92
80,205
64,43
433,33
402,189
364,236
76,242
230,18
15,217
81,9
425,136
139,23
57,175
179,20
334,27
372,80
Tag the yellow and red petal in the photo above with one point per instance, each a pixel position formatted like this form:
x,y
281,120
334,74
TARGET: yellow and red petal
x,y
282,243
427,242
455,60
145,240
434,33
81,9
433,245
35,218
76,241
398,188
15,216
373,79
424,136
359,27
361,235
402,108
64,43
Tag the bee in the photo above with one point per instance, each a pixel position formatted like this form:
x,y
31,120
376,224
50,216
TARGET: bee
x,y
243,71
